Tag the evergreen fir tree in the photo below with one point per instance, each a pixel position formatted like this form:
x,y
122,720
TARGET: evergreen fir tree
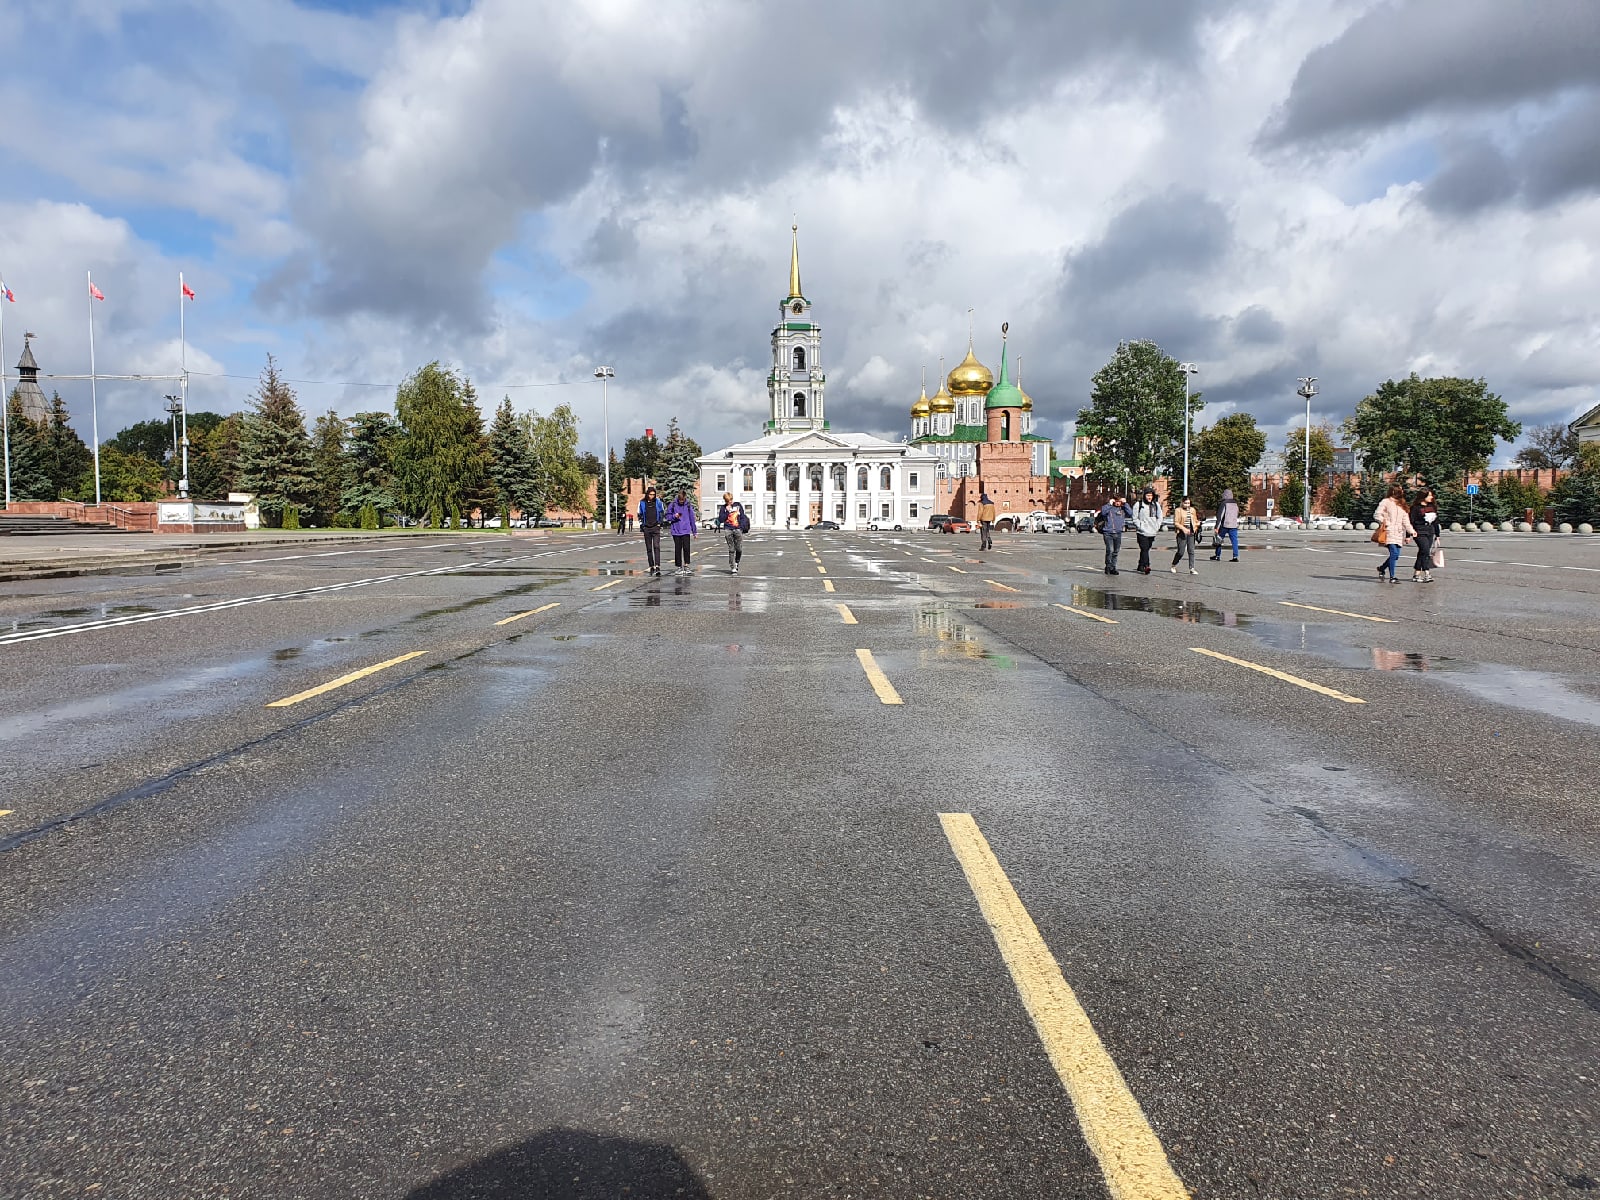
x,y
330,466
214,458
30,479
274,449
511,465
680,464
1576,498
66,459
440,454
369,448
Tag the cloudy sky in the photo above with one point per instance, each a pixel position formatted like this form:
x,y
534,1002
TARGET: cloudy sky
x,y
1341,188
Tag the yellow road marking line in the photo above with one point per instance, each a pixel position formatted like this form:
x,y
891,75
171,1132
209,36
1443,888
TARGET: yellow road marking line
x,y
845,613
344,679
604,586
1338,612
1090,615
822,570
827,585
1283,675
1002,586
876,677
958,570
6,812
532,612
1130,1154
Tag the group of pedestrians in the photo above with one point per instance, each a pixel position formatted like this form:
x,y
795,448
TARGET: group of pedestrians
x,y
680,518
1398,524
1146,517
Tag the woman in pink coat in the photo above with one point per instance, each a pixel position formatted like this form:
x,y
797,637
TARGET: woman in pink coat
x,y
1394,520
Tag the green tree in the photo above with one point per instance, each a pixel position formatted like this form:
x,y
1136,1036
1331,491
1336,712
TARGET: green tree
x,y
330,467
440,456
1439,429
30,479
641,457
152,439
1455,505
511,465
560,480
1134,421
126,478
1343,503
214,457
1518,496
65,458
1553,446
275,461
1294,458
1222,457
369,477
1577,497
679,466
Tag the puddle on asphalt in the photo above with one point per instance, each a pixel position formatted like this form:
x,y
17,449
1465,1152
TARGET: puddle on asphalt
x,y
54,616
999,604
1190,611
956,639
1536,691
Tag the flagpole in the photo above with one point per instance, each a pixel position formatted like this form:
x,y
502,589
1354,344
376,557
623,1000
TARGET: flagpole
x,y
183,388
94,397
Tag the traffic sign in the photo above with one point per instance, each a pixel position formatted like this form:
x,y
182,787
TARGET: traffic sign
x,y
1472,489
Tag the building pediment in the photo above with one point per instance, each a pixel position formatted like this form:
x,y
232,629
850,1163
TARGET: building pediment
x,y
815,441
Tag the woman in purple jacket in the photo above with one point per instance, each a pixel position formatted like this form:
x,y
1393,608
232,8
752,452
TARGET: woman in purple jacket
x,y
680,514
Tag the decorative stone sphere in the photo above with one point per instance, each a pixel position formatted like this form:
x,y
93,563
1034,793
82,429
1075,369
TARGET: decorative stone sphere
x,y
1542,527
1455,526
1524,527
1486,526
1506,527
1358,525
1586,528
1564,527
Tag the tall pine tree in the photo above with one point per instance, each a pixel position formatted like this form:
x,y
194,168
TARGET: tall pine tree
x,y
29,478
680,464
330,466
274,449
369,451
66,459
511,466
440,455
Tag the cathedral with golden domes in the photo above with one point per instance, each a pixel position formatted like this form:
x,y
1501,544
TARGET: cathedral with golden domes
x,y
981,431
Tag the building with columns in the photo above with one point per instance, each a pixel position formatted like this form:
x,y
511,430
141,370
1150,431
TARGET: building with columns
x,y
800,470
981,432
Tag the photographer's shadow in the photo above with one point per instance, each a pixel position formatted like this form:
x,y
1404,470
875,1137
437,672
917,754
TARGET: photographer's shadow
x,y
571,1164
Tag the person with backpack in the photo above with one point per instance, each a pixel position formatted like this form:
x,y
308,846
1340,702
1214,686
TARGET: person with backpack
x,y
652,515
1112,522
680,515
985,522
1227,526
1147,515
735,523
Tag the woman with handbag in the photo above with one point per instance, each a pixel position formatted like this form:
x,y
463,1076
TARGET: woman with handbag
x,y
1425,520
1394,529
1186,524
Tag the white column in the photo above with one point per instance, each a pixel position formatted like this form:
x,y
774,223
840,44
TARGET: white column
x,y
803,498
827,491
760,513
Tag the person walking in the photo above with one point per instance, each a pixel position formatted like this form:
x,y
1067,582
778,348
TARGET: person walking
x,y
1186,524
1147,516
735,523
1227,525
1424,516
1112,522
1394,529
652,515
985,522
680,515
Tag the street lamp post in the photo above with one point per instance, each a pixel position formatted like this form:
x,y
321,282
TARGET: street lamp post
x,y
1189,371
174,407
605,375
1308,389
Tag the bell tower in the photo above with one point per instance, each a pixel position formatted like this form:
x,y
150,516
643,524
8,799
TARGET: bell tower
x,y
795,386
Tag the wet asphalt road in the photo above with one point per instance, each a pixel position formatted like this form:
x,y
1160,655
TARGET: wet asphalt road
x,y
647,894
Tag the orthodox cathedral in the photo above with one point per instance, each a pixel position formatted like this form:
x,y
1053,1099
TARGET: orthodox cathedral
x,y
800,470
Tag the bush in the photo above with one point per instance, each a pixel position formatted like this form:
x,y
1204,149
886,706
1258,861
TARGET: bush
x,y
1487,505
291,517
369,518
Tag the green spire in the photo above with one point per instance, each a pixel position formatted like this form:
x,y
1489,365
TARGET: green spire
x,y
1004,394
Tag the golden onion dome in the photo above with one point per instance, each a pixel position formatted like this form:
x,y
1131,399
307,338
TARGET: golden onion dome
x,y
1027,400
971,377
922,408
943,401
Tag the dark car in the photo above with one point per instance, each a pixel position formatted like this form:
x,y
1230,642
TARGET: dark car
x,y
938,522
1083,524
824,525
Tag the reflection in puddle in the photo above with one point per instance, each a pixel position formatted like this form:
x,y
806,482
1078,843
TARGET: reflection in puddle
x,y
1191,611
1535,691
955,638
998,604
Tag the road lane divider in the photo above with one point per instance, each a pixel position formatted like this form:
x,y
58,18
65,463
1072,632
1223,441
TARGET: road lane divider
x,y
822,570
876,677
1131,1156
1002,586
344,679
532,612
1338,612
848,617
604,586
1283,675
958,570
1085,613
827,585
6,812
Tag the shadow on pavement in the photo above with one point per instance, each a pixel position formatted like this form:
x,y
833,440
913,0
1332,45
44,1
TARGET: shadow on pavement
x,y
570,1164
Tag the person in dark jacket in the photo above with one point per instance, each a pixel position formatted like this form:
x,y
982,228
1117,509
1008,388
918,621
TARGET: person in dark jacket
x,y
1227,526
1112,522
652,516
1425,520
734,523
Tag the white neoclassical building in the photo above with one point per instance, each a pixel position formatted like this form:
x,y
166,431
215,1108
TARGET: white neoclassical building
x,y
799,471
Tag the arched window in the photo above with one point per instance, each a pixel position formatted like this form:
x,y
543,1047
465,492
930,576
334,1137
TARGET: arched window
x,y
792,476
814,477
1005,427
861,479
772,479
838,472
799,358
799,404
749,479
886,479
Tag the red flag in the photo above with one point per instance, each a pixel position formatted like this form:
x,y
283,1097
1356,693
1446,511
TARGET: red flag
x,y
95,293
188,292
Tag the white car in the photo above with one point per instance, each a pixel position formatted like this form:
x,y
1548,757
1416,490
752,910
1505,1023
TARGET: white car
x,y
1049,524
1283,523
1328,522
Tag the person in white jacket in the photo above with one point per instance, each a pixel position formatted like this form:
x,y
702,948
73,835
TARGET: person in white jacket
x,y
1147,514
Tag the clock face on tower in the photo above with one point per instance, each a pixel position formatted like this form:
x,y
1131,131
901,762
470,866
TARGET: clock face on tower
x,y
797,309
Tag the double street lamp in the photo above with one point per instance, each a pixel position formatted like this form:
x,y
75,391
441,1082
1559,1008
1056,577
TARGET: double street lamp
x,y
1190,370
1308,389
605,375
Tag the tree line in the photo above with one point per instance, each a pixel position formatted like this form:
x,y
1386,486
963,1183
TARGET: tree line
x,y
1437,431
431,461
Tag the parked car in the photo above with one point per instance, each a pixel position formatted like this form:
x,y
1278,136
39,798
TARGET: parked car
x,y
1083,523
877,526
1327,522
1050,524
1284,523
1208,525
823,525
937,522
957,525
